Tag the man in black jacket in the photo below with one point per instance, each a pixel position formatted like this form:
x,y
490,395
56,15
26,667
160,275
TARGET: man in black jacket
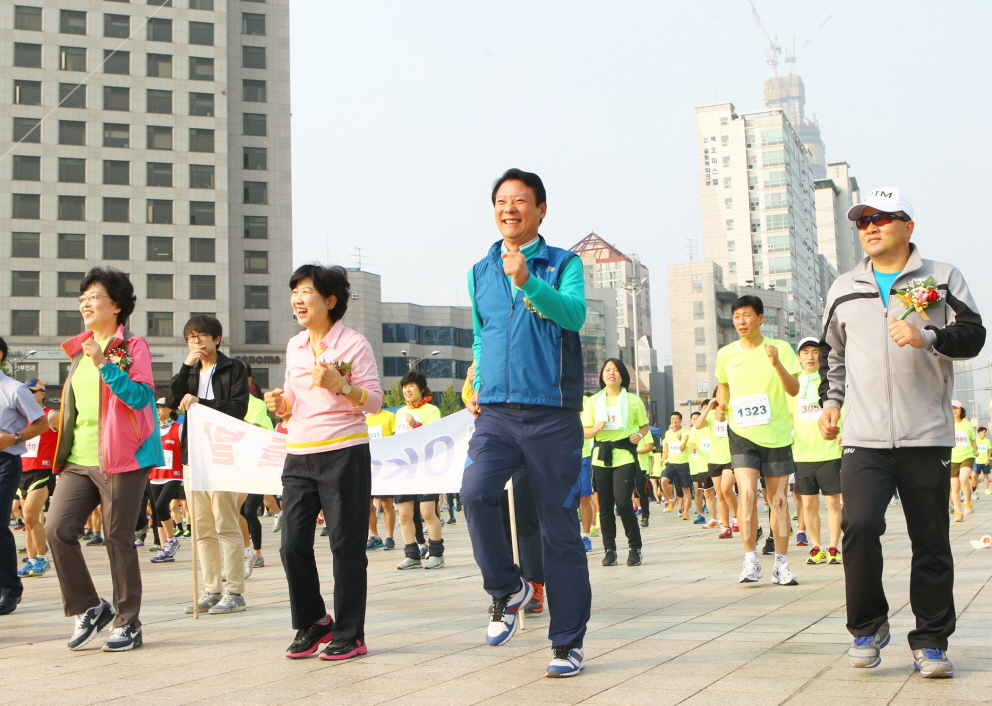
x,y
210,378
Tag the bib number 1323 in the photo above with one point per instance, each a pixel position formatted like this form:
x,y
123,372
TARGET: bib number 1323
x,y
752,411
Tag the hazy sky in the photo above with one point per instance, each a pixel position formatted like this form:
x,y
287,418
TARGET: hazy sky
x,y
405,113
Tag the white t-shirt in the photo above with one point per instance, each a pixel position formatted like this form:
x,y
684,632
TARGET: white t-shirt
x,y
206,389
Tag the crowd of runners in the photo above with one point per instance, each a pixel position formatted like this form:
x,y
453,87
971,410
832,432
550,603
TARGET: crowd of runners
x,y
108,467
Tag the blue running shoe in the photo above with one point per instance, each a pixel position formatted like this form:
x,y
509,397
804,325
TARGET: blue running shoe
x,y
40,567
503,623
26,570
866,650
587,543
700,520
373,543
566,662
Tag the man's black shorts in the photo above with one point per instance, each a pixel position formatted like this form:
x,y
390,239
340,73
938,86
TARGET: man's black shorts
x,y
34,480
678,473
417,498
717,469
770,461
813,478
704,479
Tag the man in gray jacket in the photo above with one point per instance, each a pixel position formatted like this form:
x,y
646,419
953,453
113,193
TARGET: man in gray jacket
x,y
894,376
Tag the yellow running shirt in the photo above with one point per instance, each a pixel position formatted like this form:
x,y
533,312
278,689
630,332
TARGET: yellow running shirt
x,y
381,424
964,438
808,445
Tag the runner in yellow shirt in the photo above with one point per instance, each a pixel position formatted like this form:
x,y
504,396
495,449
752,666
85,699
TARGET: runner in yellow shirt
x,y
984,448
381,424
962,462
714,418
756,375
699,472
642,489
675,458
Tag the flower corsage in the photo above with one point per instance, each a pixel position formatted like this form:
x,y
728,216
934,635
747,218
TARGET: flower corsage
x,y
919,295
121,358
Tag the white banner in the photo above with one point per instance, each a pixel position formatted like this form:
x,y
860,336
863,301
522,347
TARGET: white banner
x,y
230,454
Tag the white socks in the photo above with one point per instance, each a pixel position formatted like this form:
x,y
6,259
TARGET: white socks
x,y
781,559
753,554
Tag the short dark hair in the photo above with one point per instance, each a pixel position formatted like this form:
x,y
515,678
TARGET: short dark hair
x,y
695,414
203,323
3,350
748,300
624,375
675,414
415,377
329,281
528,178
979,428
118,286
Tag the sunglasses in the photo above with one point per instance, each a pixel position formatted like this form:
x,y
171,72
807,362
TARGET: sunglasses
x,y
880,219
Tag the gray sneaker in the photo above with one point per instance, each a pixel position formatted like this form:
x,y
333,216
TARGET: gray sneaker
x,y
866,651
230,603
409,563
206,602
434,562
249,565
932,664
277,525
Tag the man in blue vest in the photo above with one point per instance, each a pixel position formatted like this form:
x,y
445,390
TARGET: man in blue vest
x,y
528,304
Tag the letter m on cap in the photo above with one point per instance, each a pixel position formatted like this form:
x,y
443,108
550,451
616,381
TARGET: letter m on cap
x,y
881,194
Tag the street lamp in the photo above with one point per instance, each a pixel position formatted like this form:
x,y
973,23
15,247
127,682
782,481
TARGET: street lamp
x,y
412,362
25,357
635,286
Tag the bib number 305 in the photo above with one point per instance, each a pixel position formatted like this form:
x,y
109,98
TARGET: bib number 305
x,y
752,411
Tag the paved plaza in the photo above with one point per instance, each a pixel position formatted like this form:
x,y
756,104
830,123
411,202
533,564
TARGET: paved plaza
x,y
677,630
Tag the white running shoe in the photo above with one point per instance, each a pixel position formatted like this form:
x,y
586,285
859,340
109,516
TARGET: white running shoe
x,y
783,576
752,571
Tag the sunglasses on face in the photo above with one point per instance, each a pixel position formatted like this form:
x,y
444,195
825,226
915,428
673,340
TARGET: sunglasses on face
x,y
880,219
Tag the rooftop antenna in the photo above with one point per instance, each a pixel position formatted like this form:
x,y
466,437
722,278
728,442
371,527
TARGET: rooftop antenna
x,y
691,247
359,257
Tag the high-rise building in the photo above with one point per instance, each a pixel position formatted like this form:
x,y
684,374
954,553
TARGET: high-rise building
x,y
154,138
758,207
788,94
605,267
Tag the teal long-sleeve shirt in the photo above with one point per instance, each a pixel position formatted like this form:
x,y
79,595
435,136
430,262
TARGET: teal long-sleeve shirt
x,y
566,306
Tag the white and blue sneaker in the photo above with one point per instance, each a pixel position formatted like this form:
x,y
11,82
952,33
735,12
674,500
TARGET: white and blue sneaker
x,y
566,662
28,567
587,543
503,623
40,567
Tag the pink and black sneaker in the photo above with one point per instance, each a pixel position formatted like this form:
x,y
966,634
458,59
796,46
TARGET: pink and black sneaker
x,y
309,641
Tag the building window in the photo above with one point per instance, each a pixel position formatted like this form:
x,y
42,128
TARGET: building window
x,y
159,211
773,158
201,176
116,210
160,65
252,91
256,296
756,226
116,98
69,323
776,200
697,284
256,192
779,265
28,18
24,323
164,3
726,161
72,208
201,33
759,268
159,30
29,55
256,262
256,332
700,334
158,249
72,170
253,124
26,168
162,374
116,135
118,26
201,104
201,250
116,62
732,266
159,286
255,158
252,23
251,57
778,243
202,287
72,246
160,324
774,180
25,284
72,22
702,387
700,362
728,203
116,247
159,174
725,140
731,245
201,213
726,182
730,224
25,206
68,284
777,221
201,69
201,4
27,92
27,130
201,140
159,137
158,101
697,310
772,137
116,172
260,376
25,245
72,95
256,227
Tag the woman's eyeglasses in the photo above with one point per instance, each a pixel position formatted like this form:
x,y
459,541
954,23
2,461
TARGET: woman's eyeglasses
x,y
91,297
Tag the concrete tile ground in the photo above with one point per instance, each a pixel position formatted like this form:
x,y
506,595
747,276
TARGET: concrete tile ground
x,y
677,630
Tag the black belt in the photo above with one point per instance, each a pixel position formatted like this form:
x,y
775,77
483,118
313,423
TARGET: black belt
x,y
515,405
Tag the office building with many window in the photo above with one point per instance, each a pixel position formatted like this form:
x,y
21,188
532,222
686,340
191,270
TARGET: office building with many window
x,y
152,136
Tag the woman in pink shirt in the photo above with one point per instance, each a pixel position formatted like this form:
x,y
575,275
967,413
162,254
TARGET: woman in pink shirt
x,y
331,382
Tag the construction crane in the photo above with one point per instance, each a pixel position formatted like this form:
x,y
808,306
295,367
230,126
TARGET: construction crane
x,y
772,48
791,58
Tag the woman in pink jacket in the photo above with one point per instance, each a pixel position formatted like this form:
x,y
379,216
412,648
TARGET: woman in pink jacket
x,y
108,442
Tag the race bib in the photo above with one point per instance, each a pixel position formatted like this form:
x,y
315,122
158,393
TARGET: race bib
x,y
167,466
809,412
720,429
695,456
961,438
752,410
674,447
612,421
32,447
704,444
375,432
983,448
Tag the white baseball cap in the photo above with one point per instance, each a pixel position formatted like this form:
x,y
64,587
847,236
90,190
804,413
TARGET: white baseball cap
x,y
808,341
889,199
957,403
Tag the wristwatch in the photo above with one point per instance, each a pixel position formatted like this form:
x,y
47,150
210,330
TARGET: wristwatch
x,y
17,438
346,388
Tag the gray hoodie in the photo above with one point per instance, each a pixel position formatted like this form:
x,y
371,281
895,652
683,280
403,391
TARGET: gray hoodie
x,y
895,397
